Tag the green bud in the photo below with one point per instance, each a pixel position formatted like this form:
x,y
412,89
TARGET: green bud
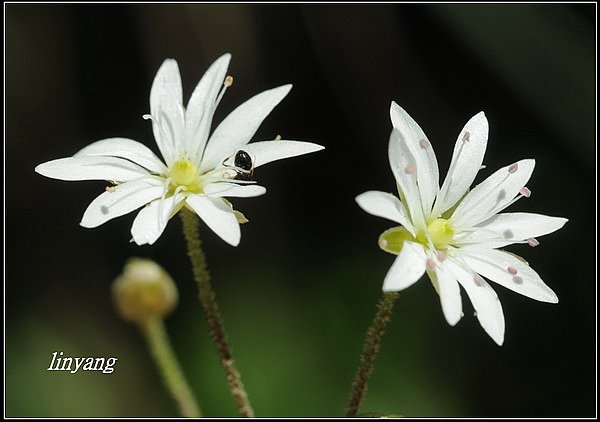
x,y
144,291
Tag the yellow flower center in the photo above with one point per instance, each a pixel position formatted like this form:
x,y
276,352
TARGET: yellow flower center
x,y
440,232
184,173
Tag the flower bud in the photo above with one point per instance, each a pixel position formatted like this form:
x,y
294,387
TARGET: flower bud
x,y
144,291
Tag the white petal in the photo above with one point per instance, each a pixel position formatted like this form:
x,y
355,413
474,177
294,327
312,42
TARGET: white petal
x,y
240,125
386,205
484,299
153,218
218,216
427,168
125,148
505,229
449,294
407,269
222,189
201,107
92,168
494,265
403,165
266,151
492,195
466,162
166,108
121,200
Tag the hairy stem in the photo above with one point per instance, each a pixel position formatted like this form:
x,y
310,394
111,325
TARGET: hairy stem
x,y
211,311
370,350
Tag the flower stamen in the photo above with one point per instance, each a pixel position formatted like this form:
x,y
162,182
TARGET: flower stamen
x,y
439,234
204,123
525,192
444,190
158,122
226,84
162,200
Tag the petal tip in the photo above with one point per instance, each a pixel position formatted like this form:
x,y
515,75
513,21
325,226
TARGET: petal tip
x,y
86,224
138,242
52,169
481,116
223,59
168,63
398,115
39,169
285,89
452,320
363,201
233,242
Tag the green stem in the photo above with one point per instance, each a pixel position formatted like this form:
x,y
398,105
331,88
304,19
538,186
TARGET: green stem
x,y
211,311
164,357
370,349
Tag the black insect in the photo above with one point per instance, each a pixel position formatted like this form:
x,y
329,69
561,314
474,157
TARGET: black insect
x,y
244,166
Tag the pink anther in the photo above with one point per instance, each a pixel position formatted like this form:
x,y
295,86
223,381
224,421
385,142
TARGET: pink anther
x,y
525,192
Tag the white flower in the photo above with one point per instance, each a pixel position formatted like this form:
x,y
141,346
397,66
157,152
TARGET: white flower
x,y
196,172
452,233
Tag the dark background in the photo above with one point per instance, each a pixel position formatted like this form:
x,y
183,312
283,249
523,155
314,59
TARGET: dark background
x,y
299,292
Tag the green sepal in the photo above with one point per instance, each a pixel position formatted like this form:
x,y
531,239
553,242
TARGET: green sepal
x,y
391,240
